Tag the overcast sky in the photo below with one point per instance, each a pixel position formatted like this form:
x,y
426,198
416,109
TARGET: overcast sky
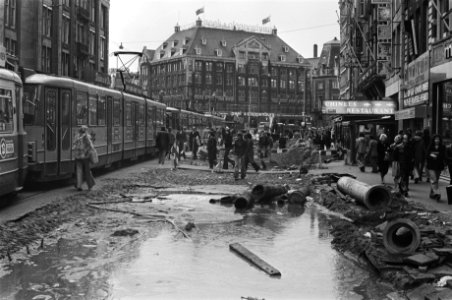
x,y
300,23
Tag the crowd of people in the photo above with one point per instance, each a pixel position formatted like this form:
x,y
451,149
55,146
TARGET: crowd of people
x,y
224,147
411,157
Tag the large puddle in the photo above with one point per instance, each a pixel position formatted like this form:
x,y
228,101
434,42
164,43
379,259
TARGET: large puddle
x,y
160,263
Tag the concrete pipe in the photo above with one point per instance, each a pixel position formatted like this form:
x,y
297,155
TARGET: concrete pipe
x,y
299,196
401,236
373,197
265,193
244,201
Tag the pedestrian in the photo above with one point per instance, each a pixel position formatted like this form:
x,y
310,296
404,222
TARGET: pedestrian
x,y
181,139
282,141
227,140
419,156
249,156
212,149
384,156
162,143
403,154
372,153
449,161
83,146
172,140
361,150
435,164
395,161
195,142
239,157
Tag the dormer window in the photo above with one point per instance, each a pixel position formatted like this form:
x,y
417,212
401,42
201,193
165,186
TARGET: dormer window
x,y
182,51
285,49
165,44
173,51
162,54
282,58
204,41
186,40
175,42
218,52
198,51
300,59
223,43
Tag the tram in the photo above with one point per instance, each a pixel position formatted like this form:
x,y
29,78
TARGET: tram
x,y
123,126
13,159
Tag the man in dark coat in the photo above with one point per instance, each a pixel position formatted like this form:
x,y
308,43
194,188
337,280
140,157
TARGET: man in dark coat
x,y
195,142
212,149
227,138
249,155
181,139
162,142
419,150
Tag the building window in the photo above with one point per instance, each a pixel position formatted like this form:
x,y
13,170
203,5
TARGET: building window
x,y
209,66
102,48
241,81
92,39
204,41
335,84
219,79
242,54
282,84
198,51
208,78
285,49
229,80
65,64
282,58
273,83
229,68
254,69
291,84
45,59
93,11
320,85
103,17
10,13
241,95
198,65
65,29
264,56
47,22
198,78
218,52
252,81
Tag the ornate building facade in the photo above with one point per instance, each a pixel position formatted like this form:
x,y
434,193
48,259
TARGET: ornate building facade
x,y
226,68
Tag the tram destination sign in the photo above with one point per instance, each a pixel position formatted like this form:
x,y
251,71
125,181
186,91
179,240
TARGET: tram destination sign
x,y
340,107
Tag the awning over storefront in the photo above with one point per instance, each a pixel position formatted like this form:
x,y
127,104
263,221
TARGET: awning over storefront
x,y
419,111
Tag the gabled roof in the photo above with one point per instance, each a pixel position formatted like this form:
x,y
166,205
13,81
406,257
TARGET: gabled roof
x,y
330,50
223,39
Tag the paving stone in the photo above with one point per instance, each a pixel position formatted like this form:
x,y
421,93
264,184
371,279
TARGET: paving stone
x,y
443,251
421,292
419,277
440,271
421,259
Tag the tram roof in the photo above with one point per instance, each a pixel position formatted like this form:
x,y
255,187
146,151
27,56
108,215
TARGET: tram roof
x,y
6,74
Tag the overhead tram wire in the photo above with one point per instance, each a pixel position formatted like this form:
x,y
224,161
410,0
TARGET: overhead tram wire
x,y
308,28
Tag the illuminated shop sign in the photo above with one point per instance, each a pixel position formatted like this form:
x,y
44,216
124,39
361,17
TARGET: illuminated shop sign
x,y
337,107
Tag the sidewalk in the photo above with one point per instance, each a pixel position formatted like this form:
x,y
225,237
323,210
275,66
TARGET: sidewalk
x,y
417,192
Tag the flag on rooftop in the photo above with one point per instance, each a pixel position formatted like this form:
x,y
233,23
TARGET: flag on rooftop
x,y
200,11
266,20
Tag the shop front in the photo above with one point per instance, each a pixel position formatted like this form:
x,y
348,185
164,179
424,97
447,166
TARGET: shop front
x,y
441,88
350,118
413,111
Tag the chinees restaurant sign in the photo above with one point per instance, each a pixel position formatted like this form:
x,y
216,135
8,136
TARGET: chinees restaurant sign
x,y
338,107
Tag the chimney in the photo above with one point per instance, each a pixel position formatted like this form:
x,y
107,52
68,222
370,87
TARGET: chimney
x,y
177,28
199,22
274,31
315,50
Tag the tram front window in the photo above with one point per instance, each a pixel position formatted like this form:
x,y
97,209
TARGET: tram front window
x,y
6,111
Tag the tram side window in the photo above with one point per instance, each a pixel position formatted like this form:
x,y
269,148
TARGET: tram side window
x,y
128,114
82,109
141,115
33,108
116,113
6,111
150,118
101,111
51,98
93,110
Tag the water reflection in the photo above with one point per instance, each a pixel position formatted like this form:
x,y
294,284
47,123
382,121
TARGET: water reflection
x,y
160,264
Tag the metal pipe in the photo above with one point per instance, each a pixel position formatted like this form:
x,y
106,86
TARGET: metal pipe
x,y
244,201
373,197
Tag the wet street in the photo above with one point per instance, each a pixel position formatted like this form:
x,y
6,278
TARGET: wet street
x,y
86,259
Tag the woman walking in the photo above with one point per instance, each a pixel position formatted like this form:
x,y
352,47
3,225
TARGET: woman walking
x,y
384,156
83,147
435,164
395,161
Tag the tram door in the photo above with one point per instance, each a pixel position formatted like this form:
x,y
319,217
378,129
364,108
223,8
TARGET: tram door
x,y
134,129
58,132
109,128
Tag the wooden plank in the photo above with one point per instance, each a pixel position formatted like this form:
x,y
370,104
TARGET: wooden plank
x,y
254,259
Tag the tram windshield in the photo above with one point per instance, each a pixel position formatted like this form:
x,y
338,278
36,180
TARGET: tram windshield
x,y
6,110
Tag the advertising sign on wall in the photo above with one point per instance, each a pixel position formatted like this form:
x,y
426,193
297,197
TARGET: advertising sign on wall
x,y
337,107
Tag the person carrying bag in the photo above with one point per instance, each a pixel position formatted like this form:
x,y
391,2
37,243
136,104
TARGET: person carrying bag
x,y
84,154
